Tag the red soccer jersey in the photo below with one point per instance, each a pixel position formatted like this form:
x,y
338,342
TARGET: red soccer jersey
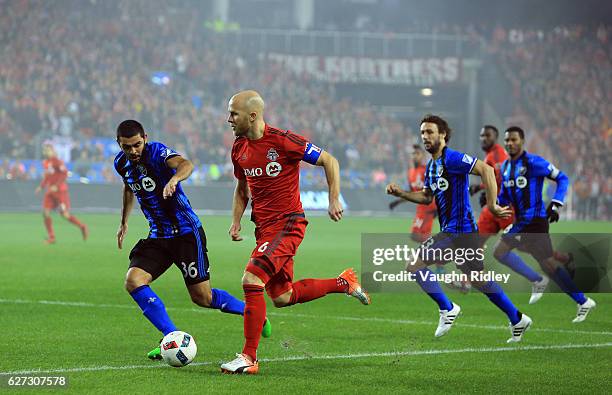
x,y
416,180
495,157
271,166
55,173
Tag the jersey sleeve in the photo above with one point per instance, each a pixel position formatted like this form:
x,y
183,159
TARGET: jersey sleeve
x,y
238,170
542,168
459,163
295,147
160,153
118,164
426,178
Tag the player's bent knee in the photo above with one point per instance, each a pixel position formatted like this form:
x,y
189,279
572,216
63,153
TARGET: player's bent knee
x,y
416,266
135,279
202,299
282,300
251,279
501,250
549,265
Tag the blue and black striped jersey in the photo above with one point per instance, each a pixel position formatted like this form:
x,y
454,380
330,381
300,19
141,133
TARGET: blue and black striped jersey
x,y
448,179
167,217
522,183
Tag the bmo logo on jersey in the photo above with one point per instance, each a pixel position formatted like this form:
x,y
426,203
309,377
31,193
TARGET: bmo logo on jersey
x,y
147,184
441,184
254,172
273,169
520,182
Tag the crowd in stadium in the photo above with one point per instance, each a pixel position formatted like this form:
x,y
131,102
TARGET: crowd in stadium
x,y
73,76
562,85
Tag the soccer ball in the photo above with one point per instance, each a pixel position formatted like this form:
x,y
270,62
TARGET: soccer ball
x,y
178,349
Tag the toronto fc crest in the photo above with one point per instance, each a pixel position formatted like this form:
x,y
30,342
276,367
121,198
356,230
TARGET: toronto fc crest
x,y
272,155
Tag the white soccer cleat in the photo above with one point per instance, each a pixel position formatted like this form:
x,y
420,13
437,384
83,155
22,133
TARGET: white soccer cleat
x,y
447,319
519,329
583,310
240,365
537,289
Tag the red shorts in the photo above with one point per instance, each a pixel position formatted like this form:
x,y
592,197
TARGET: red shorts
x,y
272,258
423,220
53,200
490,224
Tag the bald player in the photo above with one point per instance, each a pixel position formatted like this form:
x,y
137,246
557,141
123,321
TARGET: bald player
x,y
266,163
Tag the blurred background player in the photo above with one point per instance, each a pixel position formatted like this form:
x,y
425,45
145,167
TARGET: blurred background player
x,y
489,224
522,180
266,165
425,213
56,193
153,173
447,180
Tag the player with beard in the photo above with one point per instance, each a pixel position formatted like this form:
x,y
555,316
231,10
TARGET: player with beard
x,y
447,181
153,173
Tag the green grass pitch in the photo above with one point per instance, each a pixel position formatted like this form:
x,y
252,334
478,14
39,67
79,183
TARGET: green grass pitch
x,y
63,310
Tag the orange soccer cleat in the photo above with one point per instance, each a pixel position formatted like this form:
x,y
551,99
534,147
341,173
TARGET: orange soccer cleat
x,y
354,288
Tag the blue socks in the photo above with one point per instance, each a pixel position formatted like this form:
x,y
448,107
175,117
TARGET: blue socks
x,y
496,295
515,263
433,289
564,281
153,308
224,301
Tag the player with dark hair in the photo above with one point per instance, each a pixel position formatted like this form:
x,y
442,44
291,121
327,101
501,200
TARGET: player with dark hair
x,y
56,193
446,181
153,173
266,165
489,224
425,213
522,181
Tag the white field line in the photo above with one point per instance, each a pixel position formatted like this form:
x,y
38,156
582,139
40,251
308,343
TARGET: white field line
x,y
298,315
326,357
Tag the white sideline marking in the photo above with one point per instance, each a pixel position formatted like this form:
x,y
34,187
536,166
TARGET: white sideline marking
x,y
299,315
327,357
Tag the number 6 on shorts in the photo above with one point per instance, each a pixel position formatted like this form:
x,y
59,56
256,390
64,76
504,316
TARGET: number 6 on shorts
x,y
263,247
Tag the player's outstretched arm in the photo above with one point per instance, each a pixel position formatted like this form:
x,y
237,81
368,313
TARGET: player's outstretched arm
x,y
487,175
241,199
126,209
183,168
424,196
332,173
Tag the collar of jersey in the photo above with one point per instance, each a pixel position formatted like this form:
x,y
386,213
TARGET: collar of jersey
x,y
520,157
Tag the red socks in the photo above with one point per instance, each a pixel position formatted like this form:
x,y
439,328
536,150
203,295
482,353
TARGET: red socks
x,y
311,289
49,226
254,318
